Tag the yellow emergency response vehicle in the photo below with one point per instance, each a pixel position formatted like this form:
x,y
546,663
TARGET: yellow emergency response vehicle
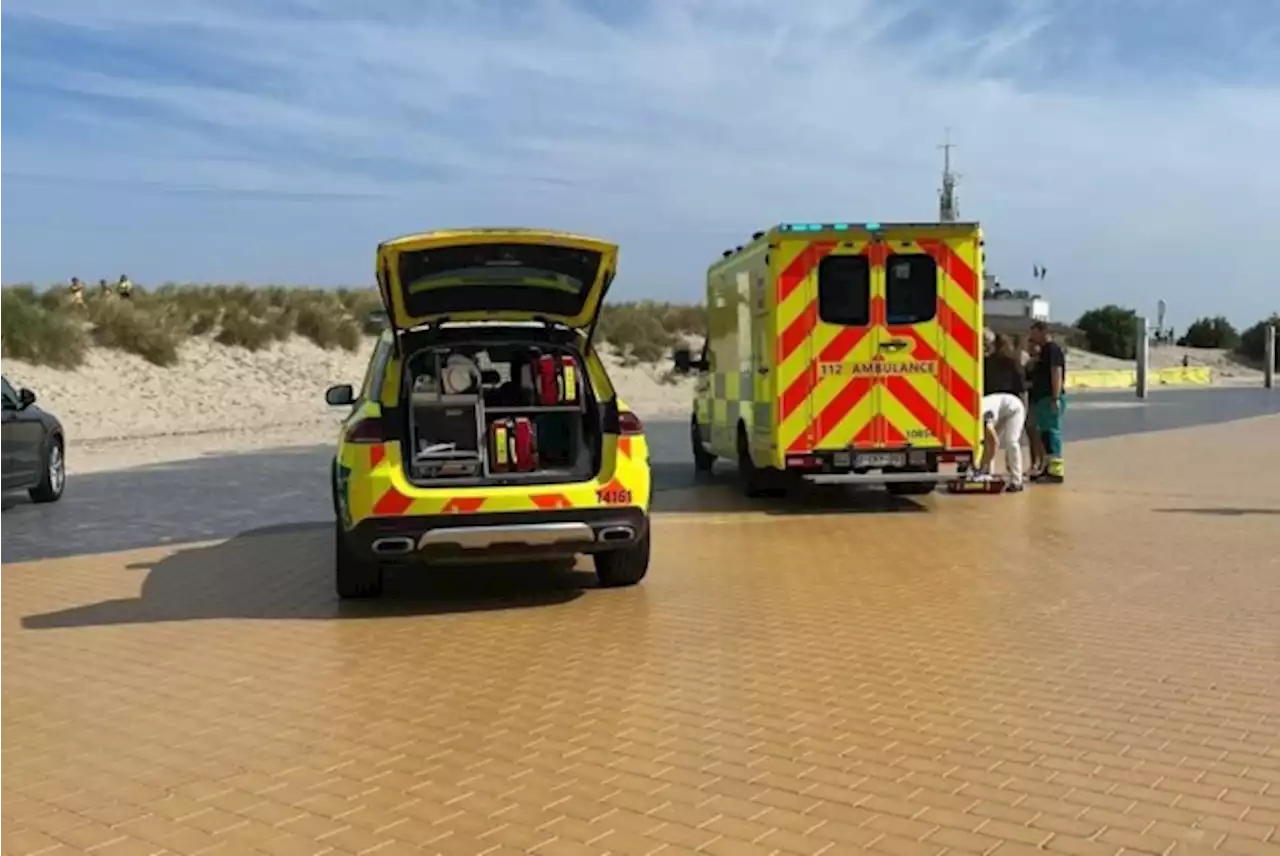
x,y
486,427
842,352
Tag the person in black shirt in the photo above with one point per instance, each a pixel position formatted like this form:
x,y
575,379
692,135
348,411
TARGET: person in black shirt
x,y
1049,400
1036,469
1001,371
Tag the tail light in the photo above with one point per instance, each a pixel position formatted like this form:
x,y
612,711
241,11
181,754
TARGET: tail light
x,y
367,430
629,423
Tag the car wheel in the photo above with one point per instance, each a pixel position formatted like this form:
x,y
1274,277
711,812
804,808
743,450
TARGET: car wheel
x,y
624,567
355,576
53,476
703,460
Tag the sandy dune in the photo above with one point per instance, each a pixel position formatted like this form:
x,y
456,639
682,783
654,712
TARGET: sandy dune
x,y
121,411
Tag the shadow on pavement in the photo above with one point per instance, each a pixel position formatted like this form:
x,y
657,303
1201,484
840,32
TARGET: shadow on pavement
x,y
285,571
676,489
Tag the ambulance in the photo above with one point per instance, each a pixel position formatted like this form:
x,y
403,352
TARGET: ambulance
x,y
842,352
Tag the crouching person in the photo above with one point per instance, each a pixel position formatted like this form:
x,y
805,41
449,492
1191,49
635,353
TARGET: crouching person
x,y
1003,418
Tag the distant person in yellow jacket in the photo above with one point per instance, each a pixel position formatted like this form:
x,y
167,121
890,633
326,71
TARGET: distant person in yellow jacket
x,y
124,287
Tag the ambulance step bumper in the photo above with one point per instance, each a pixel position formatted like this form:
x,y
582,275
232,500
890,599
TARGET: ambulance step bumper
x,y
879,478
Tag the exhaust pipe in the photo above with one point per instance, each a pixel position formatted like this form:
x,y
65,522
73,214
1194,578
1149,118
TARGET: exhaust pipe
x,y
617,533
395,546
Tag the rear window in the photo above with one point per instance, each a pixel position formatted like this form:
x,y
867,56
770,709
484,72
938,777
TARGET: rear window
x,y
844,290
509,277
910,289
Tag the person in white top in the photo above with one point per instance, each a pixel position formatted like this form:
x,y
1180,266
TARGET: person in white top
x,y
1003,418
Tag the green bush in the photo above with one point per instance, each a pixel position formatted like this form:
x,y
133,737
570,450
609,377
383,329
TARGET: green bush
x,y
33,330
46,327
1111,330
1215,332
149,332
1253,342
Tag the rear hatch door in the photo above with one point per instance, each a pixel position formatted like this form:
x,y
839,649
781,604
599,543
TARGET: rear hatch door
x,y
495,275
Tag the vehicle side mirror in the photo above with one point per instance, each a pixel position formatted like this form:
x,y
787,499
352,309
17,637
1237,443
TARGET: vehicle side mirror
x,y
26,398
684,360
342,395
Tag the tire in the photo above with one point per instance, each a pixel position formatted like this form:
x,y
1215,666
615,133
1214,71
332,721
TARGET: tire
x,y
624,567
354,576
703,461
53,478
756,481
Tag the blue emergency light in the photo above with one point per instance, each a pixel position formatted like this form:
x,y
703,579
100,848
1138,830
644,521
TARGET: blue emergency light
x,y
818,227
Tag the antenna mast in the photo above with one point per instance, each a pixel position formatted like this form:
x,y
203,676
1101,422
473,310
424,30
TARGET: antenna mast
x,y
948,207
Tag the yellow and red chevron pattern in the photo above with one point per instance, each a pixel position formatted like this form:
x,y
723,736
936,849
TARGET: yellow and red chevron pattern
x,y
378,486
938,409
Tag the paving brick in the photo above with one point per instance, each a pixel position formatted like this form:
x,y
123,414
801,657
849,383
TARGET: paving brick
x,y
1071,671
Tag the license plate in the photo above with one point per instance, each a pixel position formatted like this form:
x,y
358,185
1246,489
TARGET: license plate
x,y
873,460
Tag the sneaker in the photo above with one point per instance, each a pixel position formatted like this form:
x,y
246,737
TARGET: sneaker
x,y
1014,487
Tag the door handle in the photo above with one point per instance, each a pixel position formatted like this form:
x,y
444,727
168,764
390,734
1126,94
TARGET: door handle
x,y
893,345
762,370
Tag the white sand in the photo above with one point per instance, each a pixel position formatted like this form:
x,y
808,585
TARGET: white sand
x,y
121,411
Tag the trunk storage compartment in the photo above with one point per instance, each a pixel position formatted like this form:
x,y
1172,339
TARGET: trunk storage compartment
x,y
500,414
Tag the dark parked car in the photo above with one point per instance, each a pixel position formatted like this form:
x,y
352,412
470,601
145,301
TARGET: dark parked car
x,y
34,447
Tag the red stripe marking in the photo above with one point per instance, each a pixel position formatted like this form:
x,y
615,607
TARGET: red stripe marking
x,y
892,436
877,252
801,266
376,453
918,406
926,413
550,500
961,391
843,344
840,407
957,328
463,505
867,436
954,266
797,331
624,448
393,503
798,391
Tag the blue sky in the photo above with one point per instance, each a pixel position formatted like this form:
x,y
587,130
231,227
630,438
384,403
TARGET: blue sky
x,y
1127,145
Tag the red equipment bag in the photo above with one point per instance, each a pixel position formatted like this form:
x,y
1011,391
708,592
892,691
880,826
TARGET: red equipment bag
x,y
547,379
525,443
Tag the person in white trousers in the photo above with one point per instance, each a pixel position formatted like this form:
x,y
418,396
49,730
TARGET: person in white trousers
x,y
1003,418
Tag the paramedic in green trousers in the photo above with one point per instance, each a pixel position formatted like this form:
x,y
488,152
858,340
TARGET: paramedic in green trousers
x,y
1048,399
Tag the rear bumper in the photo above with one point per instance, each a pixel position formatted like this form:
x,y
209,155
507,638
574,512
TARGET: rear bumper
x,y
503,536
834,466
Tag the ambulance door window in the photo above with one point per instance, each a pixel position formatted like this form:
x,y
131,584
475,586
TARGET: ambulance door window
x,y
844,290
910,289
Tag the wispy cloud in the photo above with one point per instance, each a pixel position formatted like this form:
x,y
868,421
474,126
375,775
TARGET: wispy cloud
x,y
1126,145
